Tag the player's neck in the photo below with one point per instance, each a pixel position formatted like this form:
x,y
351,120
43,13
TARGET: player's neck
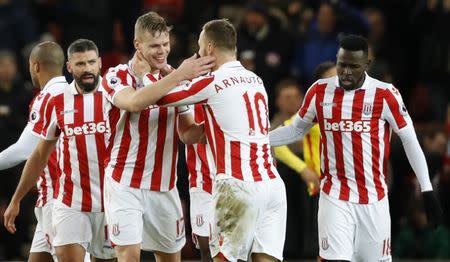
x,y
223,58
45,78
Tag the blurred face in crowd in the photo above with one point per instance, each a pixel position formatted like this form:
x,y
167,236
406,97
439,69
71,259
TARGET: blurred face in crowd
x,y
289,100
254,21
326,18
155,47
350,67
329,73
85,69
8,68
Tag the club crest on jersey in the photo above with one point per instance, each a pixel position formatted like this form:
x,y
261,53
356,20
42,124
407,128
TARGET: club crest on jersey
x,y
199,220
115,230
324,243
34,116
367,109
114,81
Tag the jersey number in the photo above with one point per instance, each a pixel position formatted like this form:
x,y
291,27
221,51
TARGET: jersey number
x,y
263,122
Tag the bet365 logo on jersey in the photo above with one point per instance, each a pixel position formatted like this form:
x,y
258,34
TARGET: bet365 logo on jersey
x,y
347,125
86,129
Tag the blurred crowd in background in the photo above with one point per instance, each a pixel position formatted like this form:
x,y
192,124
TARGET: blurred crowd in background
x,y
282,41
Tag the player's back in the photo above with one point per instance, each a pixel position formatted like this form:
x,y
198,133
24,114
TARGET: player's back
x,y
237,124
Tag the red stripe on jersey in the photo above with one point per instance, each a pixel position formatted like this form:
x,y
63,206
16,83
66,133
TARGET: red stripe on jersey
x,y
83,163
344,192
323,140
374,140
309,96
358,156
199,114
100,139
160,141
108,89
113,116
39,125
209,137
248,106
174,154
259,97
395,109
267,165
219,139
387,139
205,168
142,149
54,172
67,168
180,95
43,188
123,150
253,165
236,171
191,163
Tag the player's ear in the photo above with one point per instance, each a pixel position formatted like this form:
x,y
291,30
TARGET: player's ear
x,y
136,44
210,48
36,67
69,67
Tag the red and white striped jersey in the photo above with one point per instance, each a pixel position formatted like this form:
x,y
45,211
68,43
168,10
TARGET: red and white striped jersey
x,y
80,121
47,184
355,131
143,145
199,159
236,120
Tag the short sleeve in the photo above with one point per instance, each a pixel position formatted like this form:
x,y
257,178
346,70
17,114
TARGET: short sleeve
x,y
51,130
114,81
37,115
307,111
395,112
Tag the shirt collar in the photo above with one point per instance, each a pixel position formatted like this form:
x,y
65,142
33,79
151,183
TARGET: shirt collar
x,y
231,64
54,80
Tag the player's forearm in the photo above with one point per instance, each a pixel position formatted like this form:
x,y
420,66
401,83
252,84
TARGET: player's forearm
x,y
33,167
192,135
416,157
150,94
291,133
19,151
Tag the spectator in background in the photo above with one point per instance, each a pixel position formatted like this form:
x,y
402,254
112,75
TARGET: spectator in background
x,y
17,27
319,44
263,46
14,99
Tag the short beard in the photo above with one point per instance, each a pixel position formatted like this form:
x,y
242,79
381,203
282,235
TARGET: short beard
x,y
87,87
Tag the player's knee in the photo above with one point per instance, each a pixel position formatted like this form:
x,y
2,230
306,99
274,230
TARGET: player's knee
x,y
128,253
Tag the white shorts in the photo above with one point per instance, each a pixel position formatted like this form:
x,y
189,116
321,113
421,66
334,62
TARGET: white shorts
x,y
201,209
88,229
43,236
249,217
352,231
140,216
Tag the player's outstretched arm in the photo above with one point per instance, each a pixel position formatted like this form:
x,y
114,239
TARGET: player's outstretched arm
x,y
134,101
188,131
418,163
33,167
291,133
19,151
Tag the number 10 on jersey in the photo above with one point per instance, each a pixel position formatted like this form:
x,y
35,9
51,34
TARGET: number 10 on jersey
x,y
258,108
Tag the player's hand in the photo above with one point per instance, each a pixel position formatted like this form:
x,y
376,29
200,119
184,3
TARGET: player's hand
x,y
432,208
10,216
140,64
311,179
194,67
166,70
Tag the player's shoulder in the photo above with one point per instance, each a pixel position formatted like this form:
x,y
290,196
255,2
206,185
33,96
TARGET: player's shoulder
x,y
121,70
55,86
376,83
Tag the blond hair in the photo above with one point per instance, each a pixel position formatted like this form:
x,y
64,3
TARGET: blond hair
x,y
151,22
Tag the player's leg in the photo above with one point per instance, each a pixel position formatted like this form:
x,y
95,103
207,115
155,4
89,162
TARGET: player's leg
x,y
271,228
124,216
337,225
41,247
201,212
164,231
237,206
40,257
373,234
70,253
100,246
72,233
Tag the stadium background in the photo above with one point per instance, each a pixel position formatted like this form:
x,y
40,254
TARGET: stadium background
x,y
278,39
